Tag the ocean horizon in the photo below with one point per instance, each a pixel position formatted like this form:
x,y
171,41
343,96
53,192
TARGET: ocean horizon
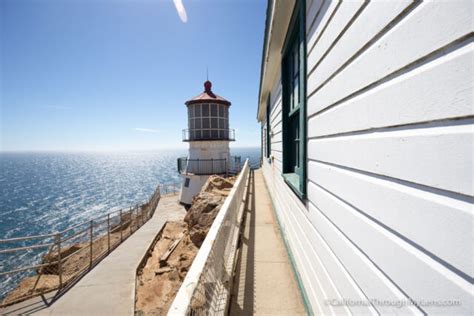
x,y
46,192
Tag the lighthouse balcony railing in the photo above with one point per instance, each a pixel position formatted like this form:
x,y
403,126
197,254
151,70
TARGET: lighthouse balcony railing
x,y
209,166
198,134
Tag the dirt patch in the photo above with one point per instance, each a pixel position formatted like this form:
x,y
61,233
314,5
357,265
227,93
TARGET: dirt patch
x,y
166,267
157,284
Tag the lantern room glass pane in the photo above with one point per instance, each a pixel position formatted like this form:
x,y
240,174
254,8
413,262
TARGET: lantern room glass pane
x,y
214,110
221,110
205,122
197,110
198,123
205,110
222,123
214,123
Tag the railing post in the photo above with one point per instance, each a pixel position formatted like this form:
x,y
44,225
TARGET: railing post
x,y
121,224
108,232
90,243
136,217
130,211
60,267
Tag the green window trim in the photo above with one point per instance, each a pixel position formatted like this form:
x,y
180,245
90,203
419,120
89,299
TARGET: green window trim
x,y
269,139
294,102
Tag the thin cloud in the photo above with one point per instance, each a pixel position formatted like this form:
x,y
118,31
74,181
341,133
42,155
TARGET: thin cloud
x,y
146,130
181,10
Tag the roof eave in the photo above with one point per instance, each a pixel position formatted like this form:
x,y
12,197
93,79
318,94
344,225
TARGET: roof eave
x,y
278,18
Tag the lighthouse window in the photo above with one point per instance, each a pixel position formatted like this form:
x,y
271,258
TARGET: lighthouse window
x,y
213,109
197,123
221,110
214,123
294,103
205,122
205,110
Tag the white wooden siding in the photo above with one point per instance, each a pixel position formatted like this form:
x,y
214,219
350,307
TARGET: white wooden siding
x,y
389,208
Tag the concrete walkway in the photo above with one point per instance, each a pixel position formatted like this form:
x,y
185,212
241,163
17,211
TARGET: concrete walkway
x,y
265,283
109,289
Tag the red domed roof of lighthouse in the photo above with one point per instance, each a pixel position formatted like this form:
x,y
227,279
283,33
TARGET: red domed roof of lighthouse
x,y
207,96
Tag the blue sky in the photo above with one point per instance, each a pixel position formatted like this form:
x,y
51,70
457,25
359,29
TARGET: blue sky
x,y
114,75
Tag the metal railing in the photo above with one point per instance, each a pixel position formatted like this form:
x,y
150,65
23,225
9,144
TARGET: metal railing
x,y
67,255
208,134
209,166
207,286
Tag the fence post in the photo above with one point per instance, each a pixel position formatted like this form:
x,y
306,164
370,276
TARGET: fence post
x,y
91,232
121,230
131,212
60,268
108,232
136,217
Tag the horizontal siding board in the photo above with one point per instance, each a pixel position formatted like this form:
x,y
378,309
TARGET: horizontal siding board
x,y
418,215
438,90
434,157
312,12
276,110
419,276
276,128
277,137
364,28
322,19
277,156
431,26
346,11
277,146
373,283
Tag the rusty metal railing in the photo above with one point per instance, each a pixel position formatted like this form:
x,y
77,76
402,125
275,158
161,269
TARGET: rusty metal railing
x,y
67,255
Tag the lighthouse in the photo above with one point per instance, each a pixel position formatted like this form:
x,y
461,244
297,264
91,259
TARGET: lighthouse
x,y
208,136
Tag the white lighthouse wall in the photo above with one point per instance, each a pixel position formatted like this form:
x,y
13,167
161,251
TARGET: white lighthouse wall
x,y
193,187
216,149
388,214
203,150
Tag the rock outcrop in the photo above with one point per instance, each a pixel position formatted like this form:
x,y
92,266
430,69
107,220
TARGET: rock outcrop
x,y
159,280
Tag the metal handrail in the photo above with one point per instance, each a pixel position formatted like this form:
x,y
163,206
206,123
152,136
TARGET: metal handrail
x,y
198,134
135,217
209,166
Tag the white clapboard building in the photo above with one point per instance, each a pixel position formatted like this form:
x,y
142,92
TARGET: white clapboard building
x,y
366,111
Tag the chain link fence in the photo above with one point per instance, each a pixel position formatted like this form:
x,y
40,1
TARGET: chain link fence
x,y
207,286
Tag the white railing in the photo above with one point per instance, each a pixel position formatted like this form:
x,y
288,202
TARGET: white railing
x,y
207,286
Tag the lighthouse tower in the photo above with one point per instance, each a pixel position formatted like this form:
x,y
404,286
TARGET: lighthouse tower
x,y
208,135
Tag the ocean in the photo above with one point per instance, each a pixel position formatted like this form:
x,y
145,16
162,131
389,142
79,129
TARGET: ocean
x,y
43,193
